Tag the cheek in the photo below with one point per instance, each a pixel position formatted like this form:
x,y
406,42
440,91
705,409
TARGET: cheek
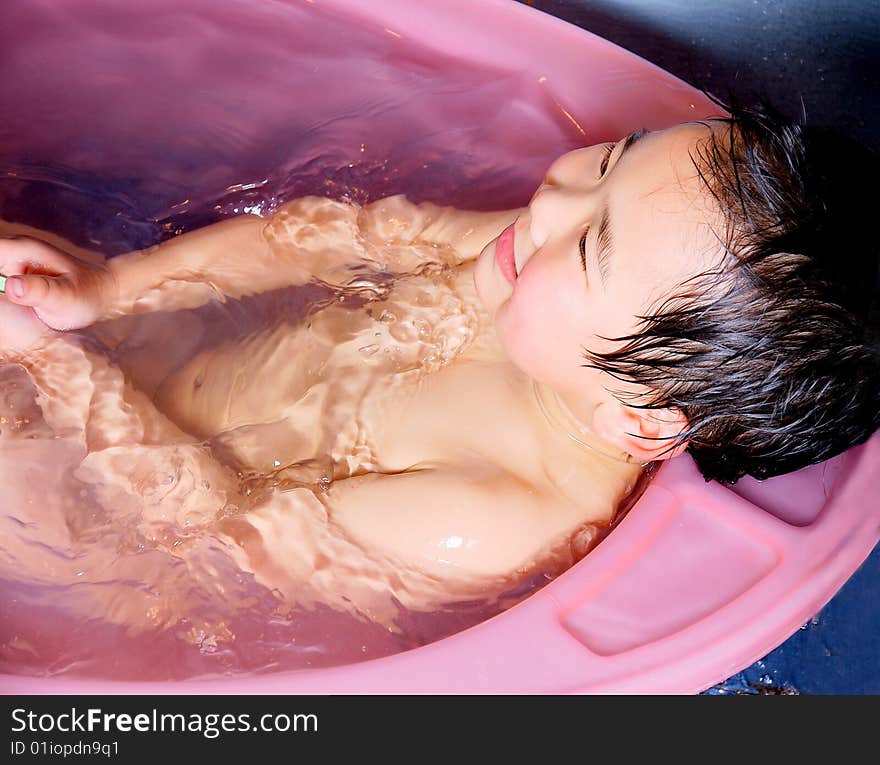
x,y
538,325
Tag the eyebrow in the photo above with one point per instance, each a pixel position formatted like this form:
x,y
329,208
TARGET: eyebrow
x,y
604,238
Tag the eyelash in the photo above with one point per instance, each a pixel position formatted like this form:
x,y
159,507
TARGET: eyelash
x,y
604,166
582,245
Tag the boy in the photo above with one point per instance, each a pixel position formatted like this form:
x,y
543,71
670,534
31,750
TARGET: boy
x,y
687,267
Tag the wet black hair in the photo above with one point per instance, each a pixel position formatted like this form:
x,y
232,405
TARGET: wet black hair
x,y
772,356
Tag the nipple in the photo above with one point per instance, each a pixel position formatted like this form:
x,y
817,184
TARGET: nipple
x,y
562,418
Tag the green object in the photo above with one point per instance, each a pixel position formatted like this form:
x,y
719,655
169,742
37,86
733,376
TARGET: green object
x,y
2,284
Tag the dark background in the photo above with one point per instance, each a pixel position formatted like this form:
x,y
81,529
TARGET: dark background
x,y
820,58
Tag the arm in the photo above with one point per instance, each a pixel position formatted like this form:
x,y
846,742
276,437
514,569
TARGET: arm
x,y
396,222
308,238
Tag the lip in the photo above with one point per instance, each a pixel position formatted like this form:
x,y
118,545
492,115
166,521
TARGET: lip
x,y
504,253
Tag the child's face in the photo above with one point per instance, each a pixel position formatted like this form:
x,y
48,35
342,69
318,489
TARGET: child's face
x,y
661,225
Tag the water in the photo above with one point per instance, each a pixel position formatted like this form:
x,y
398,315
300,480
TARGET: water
x,y
117,558
168,123
148,126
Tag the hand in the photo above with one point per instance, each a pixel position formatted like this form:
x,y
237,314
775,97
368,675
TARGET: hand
x,y
64,292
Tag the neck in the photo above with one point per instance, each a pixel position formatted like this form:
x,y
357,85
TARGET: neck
x,y
562,420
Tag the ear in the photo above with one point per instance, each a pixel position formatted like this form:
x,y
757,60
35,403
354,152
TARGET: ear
x,y
643,433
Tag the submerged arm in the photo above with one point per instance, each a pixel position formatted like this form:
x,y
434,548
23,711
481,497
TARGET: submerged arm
x,y
311,238
397,223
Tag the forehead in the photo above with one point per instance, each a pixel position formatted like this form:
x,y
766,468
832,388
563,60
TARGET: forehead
x,y
665,218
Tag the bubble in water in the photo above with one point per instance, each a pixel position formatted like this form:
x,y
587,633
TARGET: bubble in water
x,y
226,511
366,284
403,332
369,350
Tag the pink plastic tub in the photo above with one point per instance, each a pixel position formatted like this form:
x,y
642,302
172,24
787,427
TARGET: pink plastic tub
x,y
698,580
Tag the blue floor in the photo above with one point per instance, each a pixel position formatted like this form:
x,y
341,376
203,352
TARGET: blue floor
x,y
836,652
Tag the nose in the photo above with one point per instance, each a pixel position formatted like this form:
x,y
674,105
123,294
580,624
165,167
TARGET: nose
x,y
568,168
554,210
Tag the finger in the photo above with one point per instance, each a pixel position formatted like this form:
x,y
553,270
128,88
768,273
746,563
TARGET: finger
x,y
21,254
37,291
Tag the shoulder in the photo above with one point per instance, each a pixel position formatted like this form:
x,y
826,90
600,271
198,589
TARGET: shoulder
x,y
479,521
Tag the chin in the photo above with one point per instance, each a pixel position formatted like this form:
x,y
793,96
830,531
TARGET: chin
x,y
522,347
491,287
507,340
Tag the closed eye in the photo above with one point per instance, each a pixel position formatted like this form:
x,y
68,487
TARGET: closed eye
x,y
604,165
582,246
